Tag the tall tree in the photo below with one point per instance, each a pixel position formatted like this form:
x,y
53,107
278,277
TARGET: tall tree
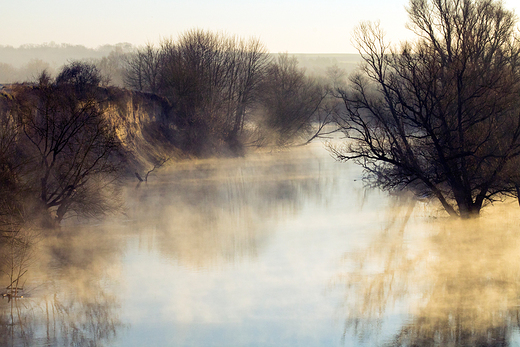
x,y
212,80
142,69
292,101
439,115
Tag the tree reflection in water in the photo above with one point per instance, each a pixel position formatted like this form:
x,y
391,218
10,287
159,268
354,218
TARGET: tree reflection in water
x,y
213,211
460,280
66,299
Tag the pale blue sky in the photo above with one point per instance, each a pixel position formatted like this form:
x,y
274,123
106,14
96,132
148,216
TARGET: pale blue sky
x,y
283,25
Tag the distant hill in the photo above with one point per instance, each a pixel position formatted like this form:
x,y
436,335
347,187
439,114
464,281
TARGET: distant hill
x,y
27,61
55,54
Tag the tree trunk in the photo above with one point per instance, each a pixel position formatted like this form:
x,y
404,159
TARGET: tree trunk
x,y
62,209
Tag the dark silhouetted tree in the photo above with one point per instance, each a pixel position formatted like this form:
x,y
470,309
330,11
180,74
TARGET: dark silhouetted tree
x,y
439,115
72,145
11,165
212,80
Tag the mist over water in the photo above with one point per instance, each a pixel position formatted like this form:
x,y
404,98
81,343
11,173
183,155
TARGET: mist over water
x,y
278,248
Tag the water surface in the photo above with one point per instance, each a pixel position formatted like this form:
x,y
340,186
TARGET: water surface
x,y
282,248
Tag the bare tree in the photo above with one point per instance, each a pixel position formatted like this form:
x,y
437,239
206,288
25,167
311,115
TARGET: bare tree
x,y
292,103
15,260
142,69
193,79
216,83
72,145
251,63
439,115
213,80
11,165
112,67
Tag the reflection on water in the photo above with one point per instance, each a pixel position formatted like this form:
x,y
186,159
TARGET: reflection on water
x,y
458,281
66,300
206,212
277,249
474,285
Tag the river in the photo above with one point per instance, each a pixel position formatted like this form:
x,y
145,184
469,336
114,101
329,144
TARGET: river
x,y
281,248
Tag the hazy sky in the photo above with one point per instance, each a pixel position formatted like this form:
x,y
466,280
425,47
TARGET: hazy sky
x,y
294,26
